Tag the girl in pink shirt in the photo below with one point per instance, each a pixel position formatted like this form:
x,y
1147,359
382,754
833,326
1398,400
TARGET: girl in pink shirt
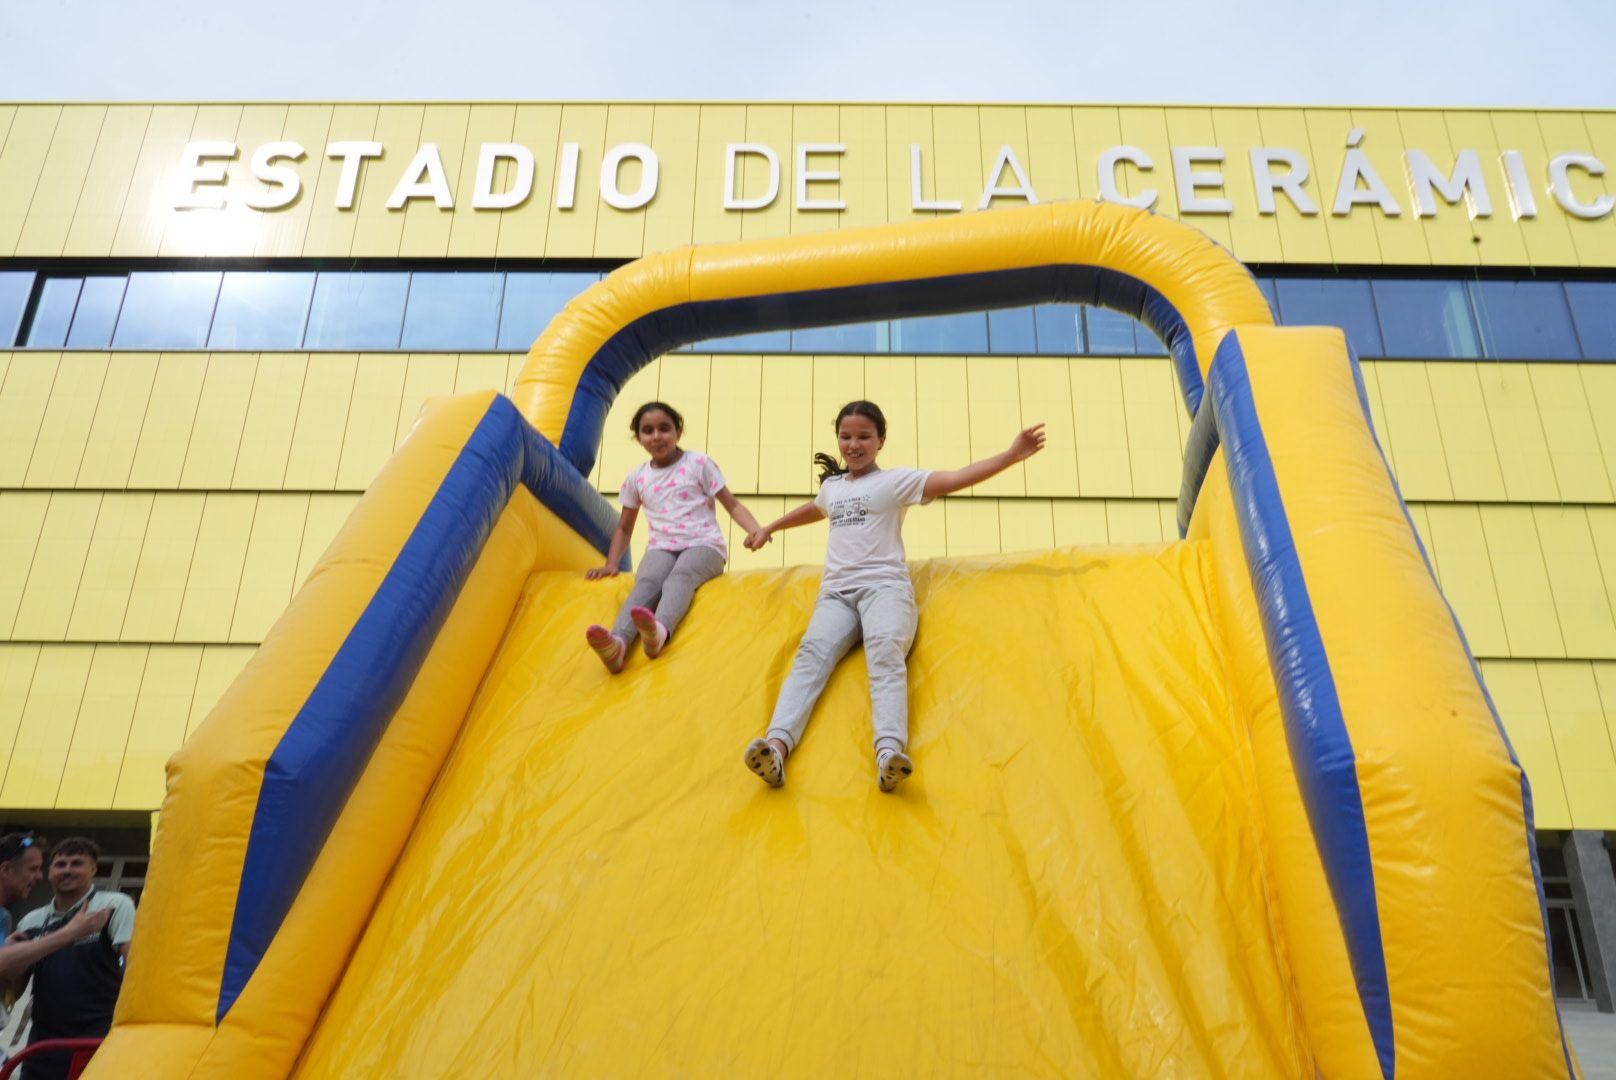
x,y
677,489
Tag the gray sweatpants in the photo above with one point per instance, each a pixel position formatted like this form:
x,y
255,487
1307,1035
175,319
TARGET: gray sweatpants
x,y
665,582
885,616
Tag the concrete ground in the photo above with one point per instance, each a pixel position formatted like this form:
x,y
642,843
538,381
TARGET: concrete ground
x,y
1593,1037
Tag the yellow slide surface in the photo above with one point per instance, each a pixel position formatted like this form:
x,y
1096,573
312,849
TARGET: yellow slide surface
x,y
1072,884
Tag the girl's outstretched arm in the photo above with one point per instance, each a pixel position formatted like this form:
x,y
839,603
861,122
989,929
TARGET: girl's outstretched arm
x,y
1028,443
806,514
614,555
743,517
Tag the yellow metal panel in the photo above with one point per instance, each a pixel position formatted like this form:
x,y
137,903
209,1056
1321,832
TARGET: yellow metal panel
x,y
889,381
1594,240
193,233
720,126
330,230
1599,389
1377,412
1080,522
53,582
22,516
322,416
523,228
813,125
475,233
148,206
1353,239
109,569
1562,402
1051,159
426,226
270,571
925,531
1523,450
1132,521
621,233
23,397
734,422
236,232
572,231
864,166
765,508
1026,524
1602,531
1254,236
1519,697
1151,402
17,664
219,668
1467,433
121,413
1582,741
620,452
1449,238
1101,430
995,418
1422,527
1601,127
95,754
325,517
106,181
1146,128
669,216
480,371
1499,241
56,196
1401,238
1586,623
212,587
837,380
1193,127
785,464
906,126
1095,130
1167,510
158,725
33,769
266,435
1458,547
370,435
1422,465
284,233
379,231
1524,594
998,126
942,406
210,458
165,431
22,158
66,427
428,375
1046,395
1547,236
973,526
683,383
165,563
803,546
769,125
1604,677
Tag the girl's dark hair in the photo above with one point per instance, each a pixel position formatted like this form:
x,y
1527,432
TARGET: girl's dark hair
x,y
828,466
653,406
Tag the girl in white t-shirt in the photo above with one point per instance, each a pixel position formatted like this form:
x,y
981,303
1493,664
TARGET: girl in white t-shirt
x,y
677,489
866,591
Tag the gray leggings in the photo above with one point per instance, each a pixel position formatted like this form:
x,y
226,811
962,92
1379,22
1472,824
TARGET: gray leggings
x,y
885,616
665,583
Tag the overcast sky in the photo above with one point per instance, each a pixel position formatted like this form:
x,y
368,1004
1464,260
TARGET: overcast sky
x,y
1370,52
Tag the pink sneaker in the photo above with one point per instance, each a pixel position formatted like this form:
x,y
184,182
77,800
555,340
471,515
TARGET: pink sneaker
x,y
653,633
608,646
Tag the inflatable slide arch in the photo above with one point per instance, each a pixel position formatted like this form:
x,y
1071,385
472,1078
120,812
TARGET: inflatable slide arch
x,y
1246,810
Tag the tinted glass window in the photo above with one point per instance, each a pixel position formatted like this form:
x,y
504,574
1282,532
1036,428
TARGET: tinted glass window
x,y
1013,330
167,310
1426,319
15,285
869,337
97,312
54,313
262,310
532,300
766,341
1269,291
1524,320
1593,309
1110,333
1146,341
453,311
965,332
1060,329
357,311
1342,302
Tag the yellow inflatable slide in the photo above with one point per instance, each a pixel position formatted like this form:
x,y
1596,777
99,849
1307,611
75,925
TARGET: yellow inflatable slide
x,y
1237,805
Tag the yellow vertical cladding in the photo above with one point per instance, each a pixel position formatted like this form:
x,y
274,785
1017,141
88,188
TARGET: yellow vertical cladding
x,y
1000,126
1523,449
157,727
219,668
191,233
165,433
1099,416
1150,400
22,516
330,230
236,232
1467,435
378,231
1194,127
284,233
1574,450
53,580
1051,159
61,180
269,570
1353,238
973,526
813,125
719,126
325,518
1303,237
426,224
106,182
1605,678
1094,130
1524,595
1146,128
524,229
1045,384
214,581
164,566
65,429
942,413
322,420
1411,427
572,228
908,126
474,233
120,415
1079,522
266,431
1518,695
1498,241
864,167
995,419
684,383
1582,741
148,206
1132,521
94,756
33,766
1026,525
17,666
734,419
620,234
890,382
428,375
22,159
109,568
1547,236
1449,237
1599,390
372,428
210,456
669,216
1602,530
1601,139
1580,604
1401,239
1594,239
1254,236
480,371
787,423
23,398
769,125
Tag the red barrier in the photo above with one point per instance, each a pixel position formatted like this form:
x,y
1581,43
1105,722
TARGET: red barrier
x,y
81,1049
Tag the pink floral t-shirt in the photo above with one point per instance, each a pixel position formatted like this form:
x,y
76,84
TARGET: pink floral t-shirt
x,y
678,502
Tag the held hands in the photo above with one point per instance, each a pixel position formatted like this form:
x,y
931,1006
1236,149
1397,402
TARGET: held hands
x,y
757,538
595,573
1028,443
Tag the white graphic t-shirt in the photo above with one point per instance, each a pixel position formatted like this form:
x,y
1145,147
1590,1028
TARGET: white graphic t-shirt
x,y
866,526
678,502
